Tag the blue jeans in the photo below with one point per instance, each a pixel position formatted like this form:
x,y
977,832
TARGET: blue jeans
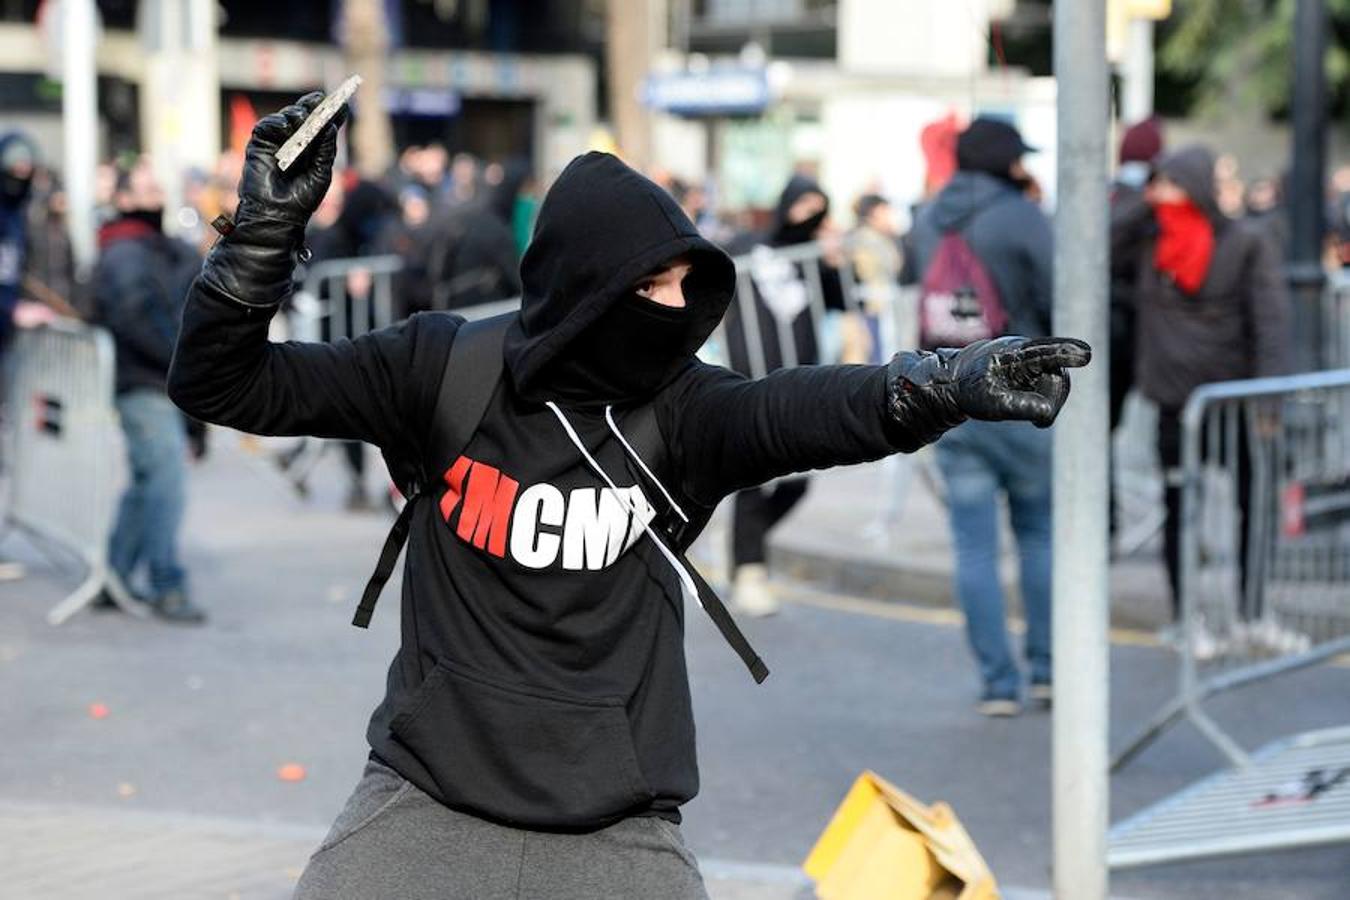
x,y
980,460
151,511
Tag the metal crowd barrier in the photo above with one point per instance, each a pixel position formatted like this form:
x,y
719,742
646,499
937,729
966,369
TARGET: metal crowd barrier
x,y
61,423
346,298
1263,593
1335,320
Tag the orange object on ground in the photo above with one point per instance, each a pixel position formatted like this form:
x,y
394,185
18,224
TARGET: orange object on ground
x,y
291,772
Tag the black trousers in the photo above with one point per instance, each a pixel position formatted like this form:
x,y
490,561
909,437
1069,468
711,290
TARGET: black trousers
x,y
754,512
1169,455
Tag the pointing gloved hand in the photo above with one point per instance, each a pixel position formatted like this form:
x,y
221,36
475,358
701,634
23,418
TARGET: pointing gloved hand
x,y
1008,378
252,264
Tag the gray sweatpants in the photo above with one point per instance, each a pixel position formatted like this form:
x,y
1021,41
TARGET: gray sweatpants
x,y
393,842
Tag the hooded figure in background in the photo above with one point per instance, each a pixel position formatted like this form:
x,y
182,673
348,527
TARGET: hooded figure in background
x,y
18,160
1212,306
537,714
472,256
783,332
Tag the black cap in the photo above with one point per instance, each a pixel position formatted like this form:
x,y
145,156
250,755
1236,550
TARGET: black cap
x,y
990,145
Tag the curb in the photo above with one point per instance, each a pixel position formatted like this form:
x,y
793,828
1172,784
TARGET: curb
x,y
930,585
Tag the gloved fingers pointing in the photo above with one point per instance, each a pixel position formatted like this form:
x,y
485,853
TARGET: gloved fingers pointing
x,y
1029,406
1052,354
1044,355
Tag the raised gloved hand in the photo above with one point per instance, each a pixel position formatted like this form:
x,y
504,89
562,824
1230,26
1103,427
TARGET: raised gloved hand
x,y
1008,378
253,263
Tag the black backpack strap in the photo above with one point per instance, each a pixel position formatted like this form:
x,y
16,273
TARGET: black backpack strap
x,y
643,432
473,368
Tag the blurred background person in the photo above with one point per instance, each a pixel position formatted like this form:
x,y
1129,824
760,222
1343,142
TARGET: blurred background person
x,y
364,215
472,256
18,164
139,287
1212,306
877,261
780,298
986,206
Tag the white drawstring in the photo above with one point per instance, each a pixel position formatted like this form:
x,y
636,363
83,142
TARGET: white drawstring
x,y
609,417
686,580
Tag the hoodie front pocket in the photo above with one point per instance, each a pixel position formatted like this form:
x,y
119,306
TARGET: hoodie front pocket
x,y
523,755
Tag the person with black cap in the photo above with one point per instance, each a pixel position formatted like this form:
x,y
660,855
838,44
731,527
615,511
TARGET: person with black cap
x,y
537,738
981,239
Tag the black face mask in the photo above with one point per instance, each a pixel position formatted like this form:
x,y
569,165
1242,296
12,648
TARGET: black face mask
x,y
800,232
13,189
627,354
153,217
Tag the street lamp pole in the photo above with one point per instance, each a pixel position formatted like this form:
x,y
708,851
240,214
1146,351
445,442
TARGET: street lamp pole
x,y
1081,472
79,121
1307,181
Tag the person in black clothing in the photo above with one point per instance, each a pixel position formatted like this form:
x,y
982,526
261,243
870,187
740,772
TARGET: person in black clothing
x,y
139,289
785,336
1212,306
366,213
536,738
471,251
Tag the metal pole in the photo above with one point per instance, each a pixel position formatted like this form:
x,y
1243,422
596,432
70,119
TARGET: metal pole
x,y
79,119
1081,607
1137,90
1307,180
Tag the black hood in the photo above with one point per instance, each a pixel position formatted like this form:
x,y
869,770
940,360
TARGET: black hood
x,y
1192,167
785,233
601,227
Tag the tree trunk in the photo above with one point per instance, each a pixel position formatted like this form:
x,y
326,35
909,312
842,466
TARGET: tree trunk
x,y
367,50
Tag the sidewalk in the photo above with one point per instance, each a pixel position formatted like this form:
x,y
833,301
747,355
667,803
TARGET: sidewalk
x,y
839,539
74,853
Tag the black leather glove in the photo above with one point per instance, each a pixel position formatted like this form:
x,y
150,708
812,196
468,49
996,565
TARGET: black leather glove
x,y
252,264
1006,378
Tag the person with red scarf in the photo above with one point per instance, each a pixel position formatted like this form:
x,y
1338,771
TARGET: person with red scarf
x,y
1212,306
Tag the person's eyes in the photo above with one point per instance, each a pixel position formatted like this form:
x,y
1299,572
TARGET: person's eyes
x,y
645,288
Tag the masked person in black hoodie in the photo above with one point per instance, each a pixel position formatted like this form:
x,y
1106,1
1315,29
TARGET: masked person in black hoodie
x,y
781,333
536,738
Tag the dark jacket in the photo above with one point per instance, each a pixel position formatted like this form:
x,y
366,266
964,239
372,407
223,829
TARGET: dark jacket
x,y
541,678
1131,229
1236,326
1009,235
780,291
139,287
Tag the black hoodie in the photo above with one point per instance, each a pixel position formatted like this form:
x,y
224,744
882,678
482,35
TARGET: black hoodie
x,y
541,679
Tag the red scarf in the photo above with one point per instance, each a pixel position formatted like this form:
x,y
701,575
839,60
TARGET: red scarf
x,y
1185,244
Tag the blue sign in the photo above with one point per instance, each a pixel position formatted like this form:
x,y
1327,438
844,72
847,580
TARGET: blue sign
x,y
429,102
716,92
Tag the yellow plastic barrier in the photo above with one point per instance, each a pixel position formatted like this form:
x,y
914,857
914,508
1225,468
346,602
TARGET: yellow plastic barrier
x,y
882,844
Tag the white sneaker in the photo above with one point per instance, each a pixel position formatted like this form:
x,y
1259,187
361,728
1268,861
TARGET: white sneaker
x,y
1270,636
1204,645
751,593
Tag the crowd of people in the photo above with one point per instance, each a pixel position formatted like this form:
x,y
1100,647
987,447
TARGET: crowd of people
x,y
1196,295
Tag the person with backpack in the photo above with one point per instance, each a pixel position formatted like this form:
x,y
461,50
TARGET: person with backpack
x,y
536,738
983,252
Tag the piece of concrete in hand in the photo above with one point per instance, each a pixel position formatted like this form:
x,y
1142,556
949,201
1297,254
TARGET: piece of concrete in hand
x,y
322,115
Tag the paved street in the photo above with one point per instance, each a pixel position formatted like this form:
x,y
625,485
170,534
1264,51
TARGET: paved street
x,y
174,793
